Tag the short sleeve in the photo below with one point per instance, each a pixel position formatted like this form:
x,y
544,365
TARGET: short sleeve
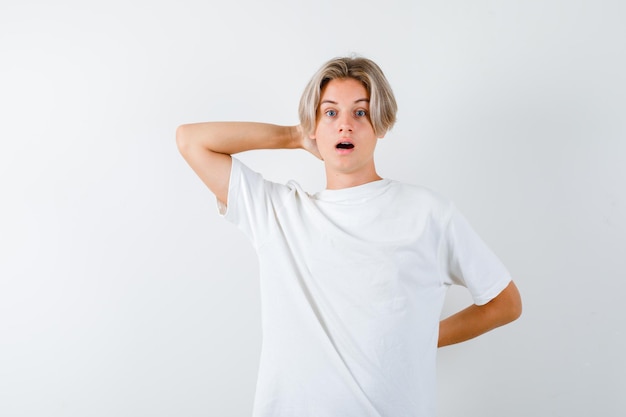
x,y
468,261
252,202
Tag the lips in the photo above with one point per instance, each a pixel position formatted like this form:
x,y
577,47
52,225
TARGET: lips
x,y
345,145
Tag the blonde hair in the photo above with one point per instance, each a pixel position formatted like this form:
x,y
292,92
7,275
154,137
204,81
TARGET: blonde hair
x,y
383,105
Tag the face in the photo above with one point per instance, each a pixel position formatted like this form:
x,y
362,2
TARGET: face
x,y
344,133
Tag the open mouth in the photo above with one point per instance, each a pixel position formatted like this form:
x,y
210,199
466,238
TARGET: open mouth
x,y
345,145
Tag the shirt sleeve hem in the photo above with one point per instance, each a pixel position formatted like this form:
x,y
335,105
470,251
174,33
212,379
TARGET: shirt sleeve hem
x,y
233,189
493,292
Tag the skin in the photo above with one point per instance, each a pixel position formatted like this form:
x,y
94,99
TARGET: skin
x,y
476,320
343,116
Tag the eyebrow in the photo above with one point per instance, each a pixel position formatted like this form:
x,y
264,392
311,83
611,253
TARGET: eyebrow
x,y
355,101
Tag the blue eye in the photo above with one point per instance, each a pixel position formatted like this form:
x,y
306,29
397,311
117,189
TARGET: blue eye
x,y
330,113
360,113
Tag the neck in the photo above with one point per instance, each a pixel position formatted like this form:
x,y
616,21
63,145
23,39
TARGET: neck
x,y
339,180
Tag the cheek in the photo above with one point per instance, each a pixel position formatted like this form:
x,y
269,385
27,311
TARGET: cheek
x,y
322,129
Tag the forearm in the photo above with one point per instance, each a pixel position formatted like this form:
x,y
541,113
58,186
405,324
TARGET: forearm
x,y
234,137
476,320
465,325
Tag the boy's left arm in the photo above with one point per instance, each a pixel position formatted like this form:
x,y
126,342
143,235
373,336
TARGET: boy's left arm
x,y
476,320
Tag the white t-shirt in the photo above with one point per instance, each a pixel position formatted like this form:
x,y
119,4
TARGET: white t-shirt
x,y
352,285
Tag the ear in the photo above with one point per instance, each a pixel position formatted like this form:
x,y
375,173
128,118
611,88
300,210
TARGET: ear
x,y
312,136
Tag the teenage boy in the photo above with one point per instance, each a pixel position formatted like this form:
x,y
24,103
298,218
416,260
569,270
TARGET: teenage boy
x,y
353,277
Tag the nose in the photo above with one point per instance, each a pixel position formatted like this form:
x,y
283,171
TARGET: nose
x,y
345,123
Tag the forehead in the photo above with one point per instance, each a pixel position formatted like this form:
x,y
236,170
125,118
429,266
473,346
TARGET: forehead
x,y
344,89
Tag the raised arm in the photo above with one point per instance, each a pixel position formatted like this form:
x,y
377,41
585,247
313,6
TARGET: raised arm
x,y
207,147
476,320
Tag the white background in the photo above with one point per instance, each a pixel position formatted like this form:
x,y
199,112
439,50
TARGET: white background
x,y
122,293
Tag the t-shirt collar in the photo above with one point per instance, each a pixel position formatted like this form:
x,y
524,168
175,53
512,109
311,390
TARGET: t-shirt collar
x,y
356,194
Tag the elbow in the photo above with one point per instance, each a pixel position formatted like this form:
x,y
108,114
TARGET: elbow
x,y
182,138
514,303
506,307
515,311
